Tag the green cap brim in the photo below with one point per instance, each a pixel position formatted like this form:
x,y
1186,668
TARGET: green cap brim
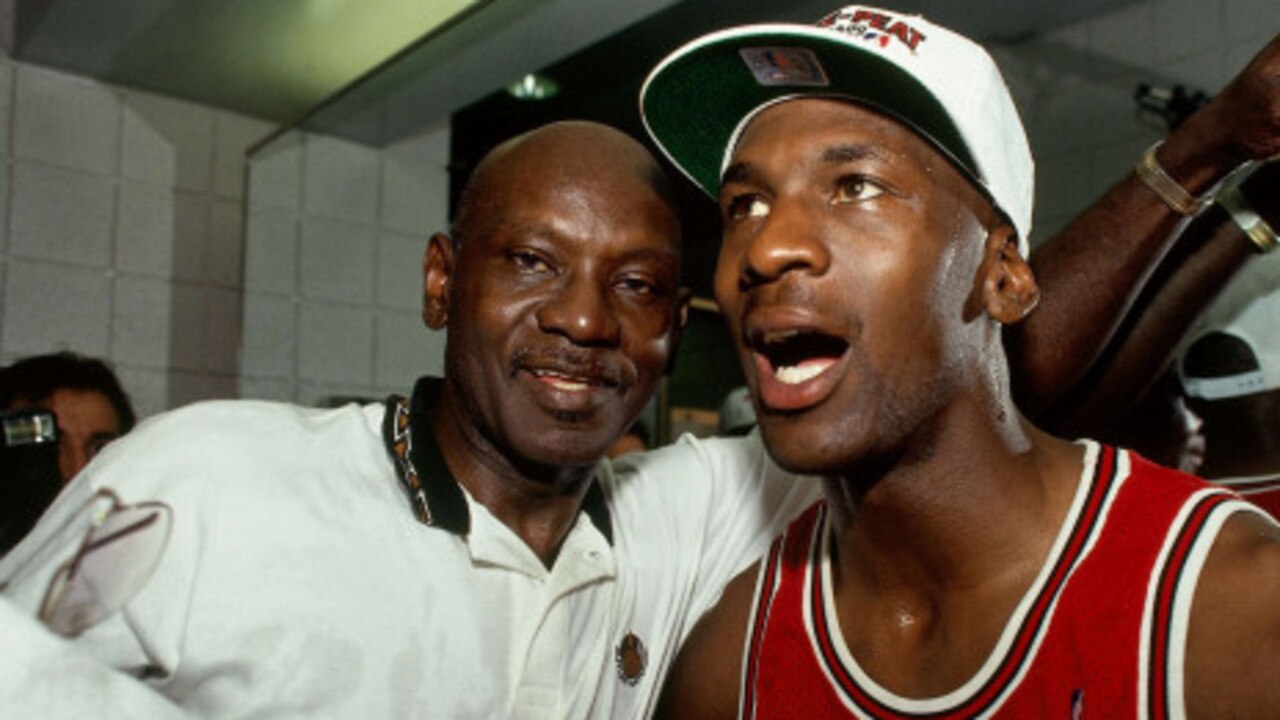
x,y
695,101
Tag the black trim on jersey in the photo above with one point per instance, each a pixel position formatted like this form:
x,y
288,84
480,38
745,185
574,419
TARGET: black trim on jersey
x,y
1103,482
766,591
446,506
1160,633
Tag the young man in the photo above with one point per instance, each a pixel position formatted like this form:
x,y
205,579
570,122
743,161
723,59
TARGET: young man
x,y
874,183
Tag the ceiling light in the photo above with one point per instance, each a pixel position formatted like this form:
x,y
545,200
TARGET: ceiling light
x,y
533,87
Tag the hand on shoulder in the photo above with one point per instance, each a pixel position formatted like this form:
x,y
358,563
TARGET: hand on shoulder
x,y
705,679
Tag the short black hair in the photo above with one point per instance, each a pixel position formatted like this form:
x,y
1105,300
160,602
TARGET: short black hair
x,y
1219,354
34,379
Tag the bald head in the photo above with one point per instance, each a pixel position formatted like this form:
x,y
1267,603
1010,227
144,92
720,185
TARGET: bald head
x,y
567,153
559,293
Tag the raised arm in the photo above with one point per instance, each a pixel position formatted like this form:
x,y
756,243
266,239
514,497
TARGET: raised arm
x,y
1092,273
1202,262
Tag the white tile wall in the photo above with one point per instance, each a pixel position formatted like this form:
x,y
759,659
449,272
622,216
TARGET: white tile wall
x,y
186,338
1080,113
335,344
266,389
330,395
6,182
400,270
332,293
270,336
167,142
226,243
1242,51
276,180
1124,40
1250,21
190,235
145,230
148,389
223,331
271,250
6,104
121,231
337,260
1206,71
405,350
141,321
62,215
65,120
232,134
340,180
415,193
1185,28
186,388
50,307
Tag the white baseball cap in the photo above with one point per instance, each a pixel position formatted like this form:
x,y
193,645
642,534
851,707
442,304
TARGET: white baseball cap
x,y
944,86
1254,325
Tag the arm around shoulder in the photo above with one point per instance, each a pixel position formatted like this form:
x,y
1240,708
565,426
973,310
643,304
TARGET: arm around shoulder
x,y
1233,643
706,678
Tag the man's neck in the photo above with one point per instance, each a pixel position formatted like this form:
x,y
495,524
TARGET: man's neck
x,y
931,556
540,504
956,496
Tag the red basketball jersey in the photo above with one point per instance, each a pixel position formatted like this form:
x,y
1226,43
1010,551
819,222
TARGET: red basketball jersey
x,y
1101,631
1261,490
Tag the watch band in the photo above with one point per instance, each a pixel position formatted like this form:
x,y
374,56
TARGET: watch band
x,y
1259,232
1165,187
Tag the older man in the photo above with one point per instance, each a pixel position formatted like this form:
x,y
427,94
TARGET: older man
x,y
459,553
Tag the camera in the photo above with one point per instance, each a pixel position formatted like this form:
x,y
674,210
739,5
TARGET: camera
x,y
29,476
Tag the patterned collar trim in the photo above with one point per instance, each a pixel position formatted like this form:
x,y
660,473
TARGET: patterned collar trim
x,y
434,493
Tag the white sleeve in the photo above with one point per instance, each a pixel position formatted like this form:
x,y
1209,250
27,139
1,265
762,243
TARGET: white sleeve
x,y
754,502
732,502
130,640
44,676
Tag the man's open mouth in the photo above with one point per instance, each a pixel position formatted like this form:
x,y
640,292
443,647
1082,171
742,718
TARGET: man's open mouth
x,y
795,356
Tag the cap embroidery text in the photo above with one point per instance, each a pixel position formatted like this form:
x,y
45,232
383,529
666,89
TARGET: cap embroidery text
x,y
866,22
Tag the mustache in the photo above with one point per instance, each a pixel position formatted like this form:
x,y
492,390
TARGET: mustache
x,y
572,363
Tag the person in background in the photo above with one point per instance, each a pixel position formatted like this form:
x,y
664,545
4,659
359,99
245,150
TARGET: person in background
x,y
91,407
1231,376
1162,427
90,410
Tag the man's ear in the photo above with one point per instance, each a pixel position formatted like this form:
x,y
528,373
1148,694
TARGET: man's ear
x,y
1009,289
437,272
683,296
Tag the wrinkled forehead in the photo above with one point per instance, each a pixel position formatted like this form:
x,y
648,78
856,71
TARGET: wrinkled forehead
x,y
617,209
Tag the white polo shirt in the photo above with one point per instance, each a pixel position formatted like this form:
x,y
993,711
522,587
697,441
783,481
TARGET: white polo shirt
x,y
298,581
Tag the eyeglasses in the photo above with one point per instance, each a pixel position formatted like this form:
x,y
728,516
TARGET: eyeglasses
x,y
117,557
